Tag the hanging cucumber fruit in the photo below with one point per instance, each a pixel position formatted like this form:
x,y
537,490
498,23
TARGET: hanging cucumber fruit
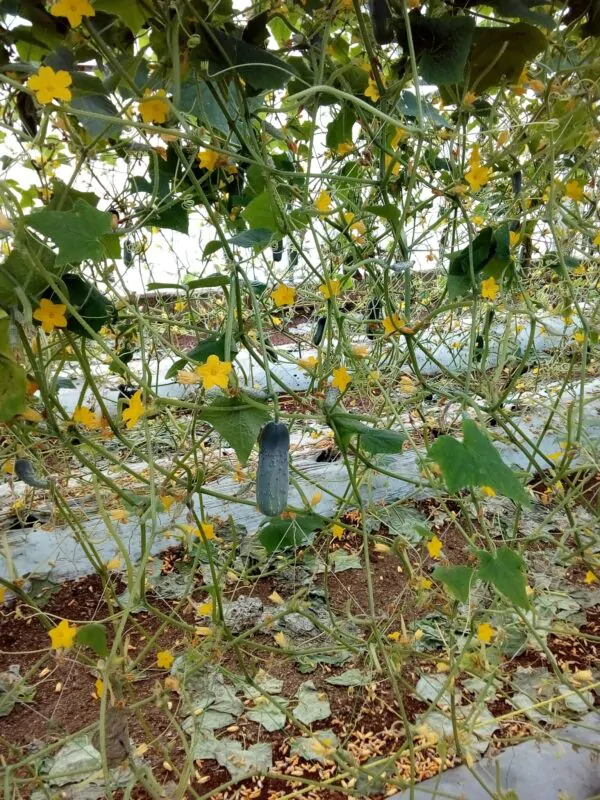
x,y
272,476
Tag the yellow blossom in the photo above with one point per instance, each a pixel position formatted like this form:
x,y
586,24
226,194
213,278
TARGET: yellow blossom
x,y
574,191
323,203
485,632
63,635
372,92
489,288
488,491
337,531
281,639
73,10
469,98
113,563
514,237
180,305
51,315
214,372
210,160
86,417
344,148
154,107
360,351
579,337
276,598
434,547
503,138
341,379
596,239
99,686
284,295
330,289
167,501
395,636
206,531
164,659
424,583
134,411
398,136
206,609
308,363
590,577
49,85
477,220
316,499
392,324
477,176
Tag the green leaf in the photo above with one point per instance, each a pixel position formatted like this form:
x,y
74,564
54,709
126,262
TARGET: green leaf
x,y
258,67
282,534
475,462
76,233
261,213
459,273
211,346
131,12
505,571
13,387
87,301
237,422
178,286
259,237
211,247
372,440
93,635
456,579
98,104
500,53
20,268
520,9
340,128
442,46
209,282
174,218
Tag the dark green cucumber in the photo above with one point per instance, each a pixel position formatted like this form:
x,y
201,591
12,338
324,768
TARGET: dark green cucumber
x,y
272,476
381,20
319,331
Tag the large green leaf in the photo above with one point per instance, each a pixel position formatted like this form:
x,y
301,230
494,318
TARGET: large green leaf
x,y
258,67
174,218
237,421
259,237
505,570
475,462
282,534
20,268
76,232
13,387
93,635
373,440
442,46
97,104
500,53
340,128
456,579
132,12
262,213
481,251
211,346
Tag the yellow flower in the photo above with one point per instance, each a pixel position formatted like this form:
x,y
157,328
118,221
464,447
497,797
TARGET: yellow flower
x,y
99,686
329,290
73,10
134,411
392,324
180,305
164,659
357,226
207,531
398,136
360,351
214,372
372,92
281,639
276,598
596,240
316,499
206,609
424,583
284,295
469,98
154,107
337,531
344,148
87,418
210,160
590,577
477,176
503,137
167,501
49,85
323,203
395,636
514,237
489,288
574,191
485,632
51,315
579,337
63,635
187,378
308,363
477,220
488,491
114,563
434,547
341,379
